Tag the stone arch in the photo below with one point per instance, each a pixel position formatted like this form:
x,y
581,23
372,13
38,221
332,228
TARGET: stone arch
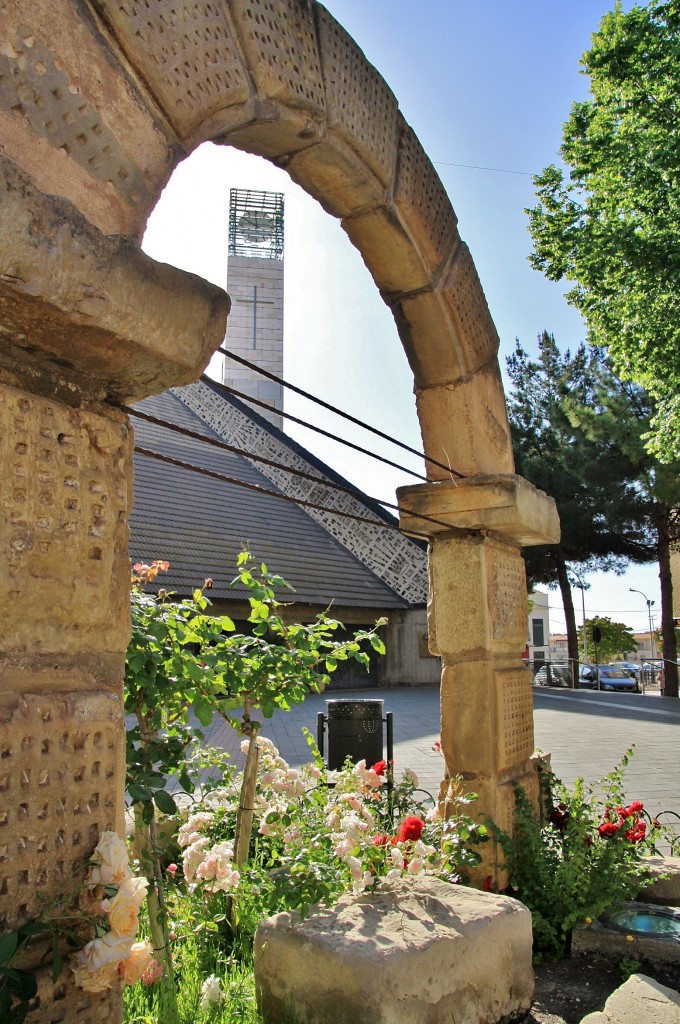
x,y
98,104
100,110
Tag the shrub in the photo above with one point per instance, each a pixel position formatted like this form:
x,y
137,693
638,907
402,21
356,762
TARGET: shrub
x,y
580,857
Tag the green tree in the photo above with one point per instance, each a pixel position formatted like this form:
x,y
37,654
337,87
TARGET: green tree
x,y
623,411
604,517
616,641
612,226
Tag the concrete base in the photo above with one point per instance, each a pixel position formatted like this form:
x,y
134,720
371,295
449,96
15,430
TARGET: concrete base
x,y
640,1001
416,950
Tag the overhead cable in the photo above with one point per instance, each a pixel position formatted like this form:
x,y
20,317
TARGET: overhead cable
x,y
234,450
303,423
334,409
383,524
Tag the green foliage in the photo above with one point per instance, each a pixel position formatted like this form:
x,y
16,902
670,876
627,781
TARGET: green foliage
x,y
612,224
183,661
579,860
318,835
617,639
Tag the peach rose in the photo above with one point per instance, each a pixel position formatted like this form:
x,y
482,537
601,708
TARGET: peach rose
x,y
132,969
95,967
123,908
110,860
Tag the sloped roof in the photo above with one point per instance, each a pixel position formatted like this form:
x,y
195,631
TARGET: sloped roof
x,y
199,524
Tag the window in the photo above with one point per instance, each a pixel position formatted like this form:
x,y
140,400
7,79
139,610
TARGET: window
x,y
537,632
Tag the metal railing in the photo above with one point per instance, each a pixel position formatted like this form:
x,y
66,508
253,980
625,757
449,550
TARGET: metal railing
x,y
560,673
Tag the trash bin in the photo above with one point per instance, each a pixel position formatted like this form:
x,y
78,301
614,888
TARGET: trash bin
x,y
355,731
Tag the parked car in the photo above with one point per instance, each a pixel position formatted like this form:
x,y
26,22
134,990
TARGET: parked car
x,y
559,675
611,678
631,669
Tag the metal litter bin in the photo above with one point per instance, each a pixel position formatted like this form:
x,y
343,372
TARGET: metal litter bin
x,y
355,731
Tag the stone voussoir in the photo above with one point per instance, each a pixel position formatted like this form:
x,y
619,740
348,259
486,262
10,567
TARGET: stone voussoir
x,y
416,949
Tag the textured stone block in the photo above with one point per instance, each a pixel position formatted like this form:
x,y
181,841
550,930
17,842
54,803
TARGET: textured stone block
x,y
188,53
279,41
65,487
334,174
466,425
63,1003
65,477
414,951
421,200
480,598
463,294
62,765
430,339
74,115
360,105
388,251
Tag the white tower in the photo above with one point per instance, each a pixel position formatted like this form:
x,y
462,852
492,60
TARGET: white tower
x,y
255,285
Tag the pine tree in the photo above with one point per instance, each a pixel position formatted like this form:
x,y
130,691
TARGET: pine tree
x,y
605,519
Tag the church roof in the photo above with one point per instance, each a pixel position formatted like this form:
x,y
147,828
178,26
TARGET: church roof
x,y
199,524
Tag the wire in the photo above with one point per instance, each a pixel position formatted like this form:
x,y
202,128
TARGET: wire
x,y
333,408
304,423
476,167
222,445
285,497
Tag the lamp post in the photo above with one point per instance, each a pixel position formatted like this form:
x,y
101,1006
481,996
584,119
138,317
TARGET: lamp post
x,y
652,646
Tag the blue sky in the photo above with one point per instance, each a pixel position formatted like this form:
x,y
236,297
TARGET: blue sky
x,y
487,86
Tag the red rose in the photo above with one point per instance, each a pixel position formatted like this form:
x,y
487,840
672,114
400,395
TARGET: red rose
x,y
623,813
411,829
635,807
381,840
379,767
608,829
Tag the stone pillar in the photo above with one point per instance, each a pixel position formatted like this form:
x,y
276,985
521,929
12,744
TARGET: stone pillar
x,y
87,323
477,623
65,488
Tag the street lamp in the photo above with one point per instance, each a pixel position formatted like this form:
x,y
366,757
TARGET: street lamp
x,y
583,605
652,646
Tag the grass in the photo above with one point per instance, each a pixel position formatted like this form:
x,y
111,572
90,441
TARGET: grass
x,y
194,963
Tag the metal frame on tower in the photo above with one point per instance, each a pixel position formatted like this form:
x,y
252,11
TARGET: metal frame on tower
x,y
256,224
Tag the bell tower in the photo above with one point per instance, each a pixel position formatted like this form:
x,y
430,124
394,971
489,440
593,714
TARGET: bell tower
x,y
255,285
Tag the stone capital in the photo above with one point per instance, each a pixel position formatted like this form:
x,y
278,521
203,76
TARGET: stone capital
x,y
77,303
506,505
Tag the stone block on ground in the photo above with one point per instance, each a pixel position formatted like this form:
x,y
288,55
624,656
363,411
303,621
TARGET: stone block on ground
x,y
641,1000
665,886
414,950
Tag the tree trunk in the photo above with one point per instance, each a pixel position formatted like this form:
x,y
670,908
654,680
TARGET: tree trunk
x,y
570,617
246,806
670,647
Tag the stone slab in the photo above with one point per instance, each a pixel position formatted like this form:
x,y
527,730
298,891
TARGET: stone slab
x,y
641,1000
97,306
416,950
505,504
665,888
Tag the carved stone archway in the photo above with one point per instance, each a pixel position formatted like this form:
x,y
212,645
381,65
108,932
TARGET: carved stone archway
x,y
99,101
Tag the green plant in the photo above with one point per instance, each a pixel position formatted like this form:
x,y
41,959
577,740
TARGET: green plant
x,y
629,967
583,855
183,660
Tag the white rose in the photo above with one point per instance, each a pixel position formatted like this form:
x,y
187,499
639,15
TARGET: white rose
x,y
110,860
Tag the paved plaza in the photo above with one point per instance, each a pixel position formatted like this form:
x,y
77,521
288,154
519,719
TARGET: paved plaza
x,y
586,732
